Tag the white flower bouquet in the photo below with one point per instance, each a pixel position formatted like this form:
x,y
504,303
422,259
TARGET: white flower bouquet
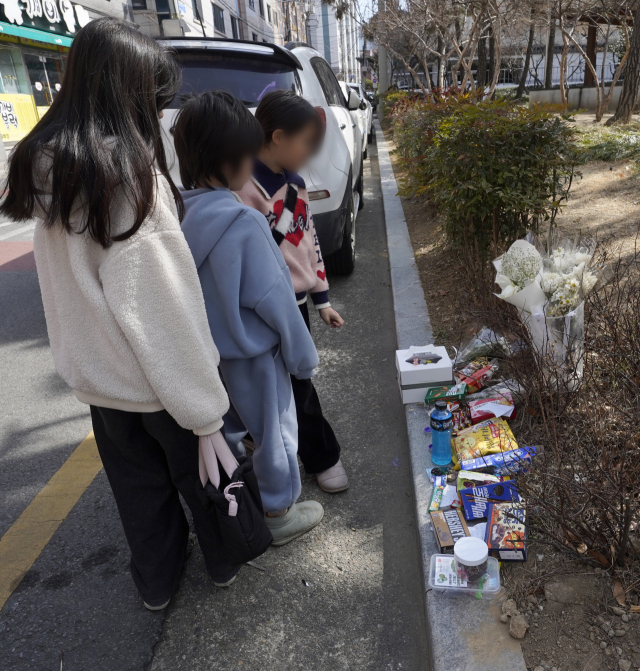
x,y
549,291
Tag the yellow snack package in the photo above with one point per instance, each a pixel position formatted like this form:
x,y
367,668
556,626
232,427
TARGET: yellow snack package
x,y
488,437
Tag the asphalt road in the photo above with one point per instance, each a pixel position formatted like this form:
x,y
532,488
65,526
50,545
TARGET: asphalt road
x,y
345,596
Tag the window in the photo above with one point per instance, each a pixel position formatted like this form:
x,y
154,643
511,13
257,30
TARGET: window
x,y
139,4
252,4
235,28
12,75
269,13
275,18
261,5
254,37
328,82
218,18
248,77
163,10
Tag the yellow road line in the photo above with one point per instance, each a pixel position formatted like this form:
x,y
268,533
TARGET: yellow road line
x,y
26,539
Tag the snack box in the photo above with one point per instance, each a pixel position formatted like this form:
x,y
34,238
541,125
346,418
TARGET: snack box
x,y
476,500
507,531
445,578
415,379
469,479
476,374
447,393
449,526
496,406
488,437
503,463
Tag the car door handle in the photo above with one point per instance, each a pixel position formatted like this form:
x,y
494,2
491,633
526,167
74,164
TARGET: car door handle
x,y
343,126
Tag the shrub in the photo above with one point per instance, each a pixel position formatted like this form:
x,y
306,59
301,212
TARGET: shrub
x,y
494,168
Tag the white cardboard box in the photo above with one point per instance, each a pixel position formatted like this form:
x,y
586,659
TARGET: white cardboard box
x,y
415,380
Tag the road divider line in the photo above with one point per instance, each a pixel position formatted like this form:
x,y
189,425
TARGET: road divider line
x,y
22,544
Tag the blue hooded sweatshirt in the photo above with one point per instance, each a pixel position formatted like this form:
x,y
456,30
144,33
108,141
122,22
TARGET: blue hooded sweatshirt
x,y
248,293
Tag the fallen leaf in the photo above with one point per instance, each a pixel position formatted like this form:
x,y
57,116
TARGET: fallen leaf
x,y
594,554
635,609
618,592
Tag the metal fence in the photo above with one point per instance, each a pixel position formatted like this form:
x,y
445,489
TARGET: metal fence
x,y
511,71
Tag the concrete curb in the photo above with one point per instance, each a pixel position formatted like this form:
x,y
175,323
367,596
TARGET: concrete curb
x,y
465,634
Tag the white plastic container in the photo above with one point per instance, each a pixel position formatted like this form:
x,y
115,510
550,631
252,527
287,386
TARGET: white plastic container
x,y
414,380
446,577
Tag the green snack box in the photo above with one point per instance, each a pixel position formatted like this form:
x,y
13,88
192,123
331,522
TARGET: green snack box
x,y
450,393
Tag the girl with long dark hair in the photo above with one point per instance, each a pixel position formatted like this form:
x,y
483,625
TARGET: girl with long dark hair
x,y
122,299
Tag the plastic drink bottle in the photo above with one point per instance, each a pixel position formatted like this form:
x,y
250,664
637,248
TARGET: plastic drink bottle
x,y
441,427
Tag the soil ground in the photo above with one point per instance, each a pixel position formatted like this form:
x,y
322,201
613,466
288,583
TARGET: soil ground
x,y
574,629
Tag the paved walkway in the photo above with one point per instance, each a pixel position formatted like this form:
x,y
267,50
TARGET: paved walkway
x,y
348,596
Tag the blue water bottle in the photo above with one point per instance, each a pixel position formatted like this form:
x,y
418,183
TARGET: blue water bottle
x,y
441,427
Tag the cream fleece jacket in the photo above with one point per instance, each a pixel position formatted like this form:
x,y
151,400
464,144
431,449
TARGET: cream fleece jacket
x,y
127,324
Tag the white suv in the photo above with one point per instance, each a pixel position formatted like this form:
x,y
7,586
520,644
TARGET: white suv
x,y
250,70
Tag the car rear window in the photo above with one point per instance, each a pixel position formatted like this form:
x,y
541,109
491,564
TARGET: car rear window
x,y
248,78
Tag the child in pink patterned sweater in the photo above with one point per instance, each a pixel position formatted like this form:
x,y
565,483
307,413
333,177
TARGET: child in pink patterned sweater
x,y
293,130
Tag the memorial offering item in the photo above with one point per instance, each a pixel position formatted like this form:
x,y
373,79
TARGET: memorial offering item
x,y
495,406
471,556
441,429
448,393
488,437
477,373
448,526
507,531
503,463
424,358
420,368
476,500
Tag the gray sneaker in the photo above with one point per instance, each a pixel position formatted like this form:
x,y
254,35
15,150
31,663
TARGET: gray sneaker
x,y
299,519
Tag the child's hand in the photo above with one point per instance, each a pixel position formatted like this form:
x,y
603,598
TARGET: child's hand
x,y
331,318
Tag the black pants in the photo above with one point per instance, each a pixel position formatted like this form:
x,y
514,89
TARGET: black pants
x,y
148,459
318,447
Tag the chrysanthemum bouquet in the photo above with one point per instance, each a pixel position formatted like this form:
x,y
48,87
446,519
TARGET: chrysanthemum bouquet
x,y
549,291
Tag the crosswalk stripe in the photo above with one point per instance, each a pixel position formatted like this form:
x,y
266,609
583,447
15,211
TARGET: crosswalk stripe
x,y
22,544
24,229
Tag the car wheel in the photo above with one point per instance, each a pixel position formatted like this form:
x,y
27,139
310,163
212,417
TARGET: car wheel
x,y
370,137
343,261
364,155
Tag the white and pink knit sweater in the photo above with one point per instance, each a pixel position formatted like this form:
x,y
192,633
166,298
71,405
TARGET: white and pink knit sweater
x,y
283,200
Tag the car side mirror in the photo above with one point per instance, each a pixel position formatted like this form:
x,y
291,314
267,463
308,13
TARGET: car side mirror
x,y
354,101
363,105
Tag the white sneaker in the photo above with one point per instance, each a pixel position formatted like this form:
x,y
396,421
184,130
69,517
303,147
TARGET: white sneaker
x,y
299,519
162,607
334,479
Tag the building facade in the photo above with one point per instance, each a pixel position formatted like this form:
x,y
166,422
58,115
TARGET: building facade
x,y
35,37
334,31
275,21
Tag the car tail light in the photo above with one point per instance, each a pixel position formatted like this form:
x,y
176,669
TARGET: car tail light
x,y
323,115
319,195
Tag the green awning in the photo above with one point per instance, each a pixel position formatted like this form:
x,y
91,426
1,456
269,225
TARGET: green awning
x,y
37,35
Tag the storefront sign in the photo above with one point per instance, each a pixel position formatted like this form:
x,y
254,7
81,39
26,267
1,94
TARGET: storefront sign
x,y
52,16
17,116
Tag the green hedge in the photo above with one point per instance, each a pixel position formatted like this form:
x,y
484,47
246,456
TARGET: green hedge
x,y
496,169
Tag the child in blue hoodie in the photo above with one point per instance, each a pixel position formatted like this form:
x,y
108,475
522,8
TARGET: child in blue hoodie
x,y
251,305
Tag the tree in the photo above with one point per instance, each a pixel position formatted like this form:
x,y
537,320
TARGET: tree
x,y
527,60
629,93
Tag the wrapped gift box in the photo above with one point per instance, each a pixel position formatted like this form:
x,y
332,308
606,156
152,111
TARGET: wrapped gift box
x,y
415,379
